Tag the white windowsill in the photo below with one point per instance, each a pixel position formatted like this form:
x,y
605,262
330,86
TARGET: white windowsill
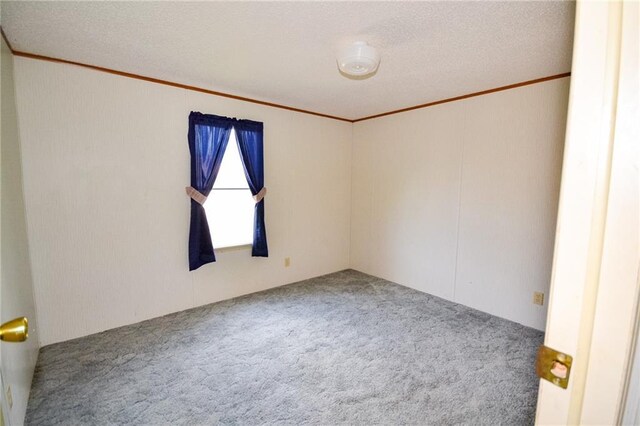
x,y
232,248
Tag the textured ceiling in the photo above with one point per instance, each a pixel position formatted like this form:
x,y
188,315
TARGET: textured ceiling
x,y
284,52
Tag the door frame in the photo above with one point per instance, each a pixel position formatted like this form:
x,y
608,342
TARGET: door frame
x,y
594,285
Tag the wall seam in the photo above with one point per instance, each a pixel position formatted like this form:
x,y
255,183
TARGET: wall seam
x,y
460,174
350,262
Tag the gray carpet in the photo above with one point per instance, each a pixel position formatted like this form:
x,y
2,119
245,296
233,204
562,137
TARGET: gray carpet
x,y
345,348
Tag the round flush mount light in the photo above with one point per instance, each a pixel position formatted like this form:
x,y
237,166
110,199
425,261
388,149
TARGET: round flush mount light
x,y
359,59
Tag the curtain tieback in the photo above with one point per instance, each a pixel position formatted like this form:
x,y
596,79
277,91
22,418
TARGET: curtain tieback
x,y
196,195
260,195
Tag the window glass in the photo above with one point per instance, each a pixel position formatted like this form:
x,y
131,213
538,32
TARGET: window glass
x,y
231,174
230,206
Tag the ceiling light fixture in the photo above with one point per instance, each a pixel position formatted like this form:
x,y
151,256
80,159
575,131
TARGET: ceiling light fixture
x,y
359,59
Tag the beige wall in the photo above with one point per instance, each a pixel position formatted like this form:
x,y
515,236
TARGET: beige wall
x,y
459,200
18,359
106,161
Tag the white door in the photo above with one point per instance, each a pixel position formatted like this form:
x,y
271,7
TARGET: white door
x,y
594,285
17,359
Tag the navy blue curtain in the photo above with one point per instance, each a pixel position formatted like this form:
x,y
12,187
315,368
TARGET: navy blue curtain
x,y
250,135
208,138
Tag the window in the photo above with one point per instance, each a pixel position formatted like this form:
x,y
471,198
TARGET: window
x,y
230,206
230,147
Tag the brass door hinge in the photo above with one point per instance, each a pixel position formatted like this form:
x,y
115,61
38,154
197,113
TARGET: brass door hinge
x,y
553,366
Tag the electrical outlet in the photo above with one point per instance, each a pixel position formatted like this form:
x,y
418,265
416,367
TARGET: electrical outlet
x,y
9,398
538,298
287,262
